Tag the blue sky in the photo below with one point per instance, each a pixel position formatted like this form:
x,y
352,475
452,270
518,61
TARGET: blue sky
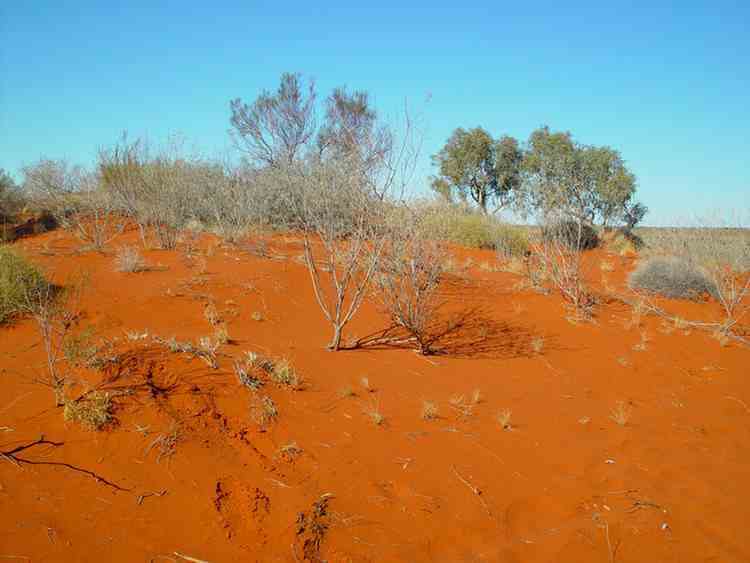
x,y
664,83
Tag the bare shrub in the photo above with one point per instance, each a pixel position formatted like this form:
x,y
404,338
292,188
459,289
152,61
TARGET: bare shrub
x,y
671,277
75,199
343,241
408,280
129,259
55,311
560,249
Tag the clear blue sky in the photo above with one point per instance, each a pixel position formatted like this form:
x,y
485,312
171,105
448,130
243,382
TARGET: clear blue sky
x,y
664,83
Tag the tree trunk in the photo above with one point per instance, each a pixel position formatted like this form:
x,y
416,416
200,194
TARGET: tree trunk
x,y
335,344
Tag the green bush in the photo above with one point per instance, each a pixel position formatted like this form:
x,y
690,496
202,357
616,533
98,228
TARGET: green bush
x,y
473,230
671,277
18,280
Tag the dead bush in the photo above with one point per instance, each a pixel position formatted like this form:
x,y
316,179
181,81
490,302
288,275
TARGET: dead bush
x,y
129,259
408,279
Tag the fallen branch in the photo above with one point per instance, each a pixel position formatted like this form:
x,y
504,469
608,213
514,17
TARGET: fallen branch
x,y
474,489
188,558
11,455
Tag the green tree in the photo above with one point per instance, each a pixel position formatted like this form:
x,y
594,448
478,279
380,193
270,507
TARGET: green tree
x,y
580,182
474,165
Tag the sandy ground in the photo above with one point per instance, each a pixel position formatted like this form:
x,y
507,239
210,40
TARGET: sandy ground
x,y
188,472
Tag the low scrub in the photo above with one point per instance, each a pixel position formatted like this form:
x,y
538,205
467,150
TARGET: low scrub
x,y
473,230
19,281
671,277
573,235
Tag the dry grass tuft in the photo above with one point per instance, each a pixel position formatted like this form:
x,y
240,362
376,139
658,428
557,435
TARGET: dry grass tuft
x,y
263,410
93,411
374,413
503,419
621,413
429,410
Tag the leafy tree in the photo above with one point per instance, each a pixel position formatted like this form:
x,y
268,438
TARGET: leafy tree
x,y
275,128
580,182
474,165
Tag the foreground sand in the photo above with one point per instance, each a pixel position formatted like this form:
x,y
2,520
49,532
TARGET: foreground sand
x,y
566,483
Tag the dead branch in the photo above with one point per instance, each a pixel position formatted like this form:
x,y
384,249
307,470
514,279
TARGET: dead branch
x,y
11,455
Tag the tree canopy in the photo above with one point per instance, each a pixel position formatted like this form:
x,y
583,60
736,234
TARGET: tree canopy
x,y
581,182
474,165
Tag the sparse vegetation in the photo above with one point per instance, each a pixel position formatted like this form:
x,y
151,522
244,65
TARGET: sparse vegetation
x,y
429,410
621,413
503,419
129,259
671,277
94,411
20,282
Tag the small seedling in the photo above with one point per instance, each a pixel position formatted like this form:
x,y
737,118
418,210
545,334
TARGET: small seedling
x,y
621,413
429,410
365,382
537,344
347,391
503,419
257,316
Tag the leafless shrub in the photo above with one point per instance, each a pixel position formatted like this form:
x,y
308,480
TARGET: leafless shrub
x,y
408,280
55,311
75,198
129,259
560,249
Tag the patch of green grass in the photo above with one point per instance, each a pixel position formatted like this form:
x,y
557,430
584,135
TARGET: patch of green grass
x,y
19,282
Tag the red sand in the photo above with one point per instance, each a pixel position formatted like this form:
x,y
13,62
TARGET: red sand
x,y
565,484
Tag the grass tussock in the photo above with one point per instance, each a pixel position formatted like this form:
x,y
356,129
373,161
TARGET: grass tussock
x,y
19,282
473,230
671,277
93,411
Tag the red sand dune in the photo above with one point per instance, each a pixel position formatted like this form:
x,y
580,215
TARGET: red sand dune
x,y
566,483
